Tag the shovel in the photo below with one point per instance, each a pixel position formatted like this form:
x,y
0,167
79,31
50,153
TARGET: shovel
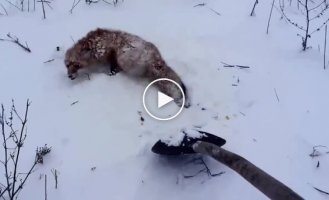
x,y
208,144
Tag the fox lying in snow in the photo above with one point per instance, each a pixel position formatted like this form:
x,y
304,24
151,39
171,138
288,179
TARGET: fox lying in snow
x,y
125,52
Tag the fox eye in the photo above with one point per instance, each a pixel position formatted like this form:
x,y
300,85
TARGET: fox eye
x,y
77,66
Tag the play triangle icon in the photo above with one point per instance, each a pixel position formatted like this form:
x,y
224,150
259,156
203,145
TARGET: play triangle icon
x,y
163,99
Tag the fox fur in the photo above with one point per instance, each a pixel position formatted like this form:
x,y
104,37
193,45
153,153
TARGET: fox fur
x,y
125,52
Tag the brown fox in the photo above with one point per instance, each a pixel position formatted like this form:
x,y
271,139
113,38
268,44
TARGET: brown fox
x,y
122,51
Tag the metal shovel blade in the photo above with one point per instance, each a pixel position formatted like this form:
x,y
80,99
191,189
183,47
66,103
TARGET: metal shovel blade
x,y
185,147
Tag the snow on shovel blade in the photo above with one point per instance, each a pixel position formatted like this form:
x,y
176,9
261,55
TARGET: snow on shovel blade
x,y
185,147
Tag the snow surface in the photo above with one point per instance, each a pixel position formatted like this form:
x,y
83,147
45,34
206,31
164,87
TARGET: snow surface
x,y
104,130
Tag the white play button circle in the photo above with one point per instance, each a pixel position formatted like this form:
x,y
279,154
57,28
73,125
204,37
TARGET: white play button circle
x,y
160,105
163,99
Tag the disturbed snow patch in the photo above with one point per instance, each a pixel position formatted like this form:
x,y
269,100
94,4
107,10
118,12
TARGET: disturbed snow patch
x,y
177,138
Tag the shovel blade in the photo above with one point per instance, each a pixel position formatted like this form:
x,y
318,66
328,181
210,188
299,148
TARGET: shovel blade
x,y
185,147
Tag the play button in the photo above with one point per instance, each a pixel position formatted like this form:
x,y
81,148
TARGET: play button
x,y
159,104
163,99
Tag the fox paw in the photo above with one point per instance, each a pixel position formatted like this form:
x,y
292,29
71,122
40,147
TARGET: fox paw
x,y
111,73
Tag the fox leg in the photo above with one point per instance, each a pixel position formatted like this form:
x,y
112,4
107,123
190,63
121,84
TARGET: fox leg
x,y
114,66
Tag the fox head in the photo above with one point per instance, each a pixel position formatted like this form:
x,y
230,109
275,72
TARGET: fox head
x,y
76,58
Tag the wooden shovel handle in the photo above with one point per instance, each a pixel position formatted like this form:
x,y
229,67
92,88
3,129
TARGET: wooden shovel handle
x,y
268,185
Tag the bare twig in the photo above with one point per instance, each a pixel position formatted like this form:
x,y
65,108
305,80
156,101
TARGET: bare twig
x,y
74,5
15,180
108,2
205,169
325,48
74,103
307,11
48,4
45,186
19,144
13,4
48,61
321,12
276,94
4,9
320,4
216,12
199,5
2,123
72,39
269,18
242,67
55,173
15,40
253,8
227,65
307,25
239,66
288,19
315,151
43,8
322,191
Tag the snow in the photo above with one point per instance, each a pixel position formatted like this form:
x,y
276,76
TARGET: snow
x,y
103,129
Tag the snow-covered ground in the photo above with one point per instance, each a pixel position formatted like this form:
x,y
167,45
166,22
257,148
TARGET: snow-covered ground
x,y
104,130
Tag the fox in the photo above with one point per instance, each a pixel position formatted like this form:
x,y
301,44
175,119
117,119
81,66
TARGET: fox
x,y
124,52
